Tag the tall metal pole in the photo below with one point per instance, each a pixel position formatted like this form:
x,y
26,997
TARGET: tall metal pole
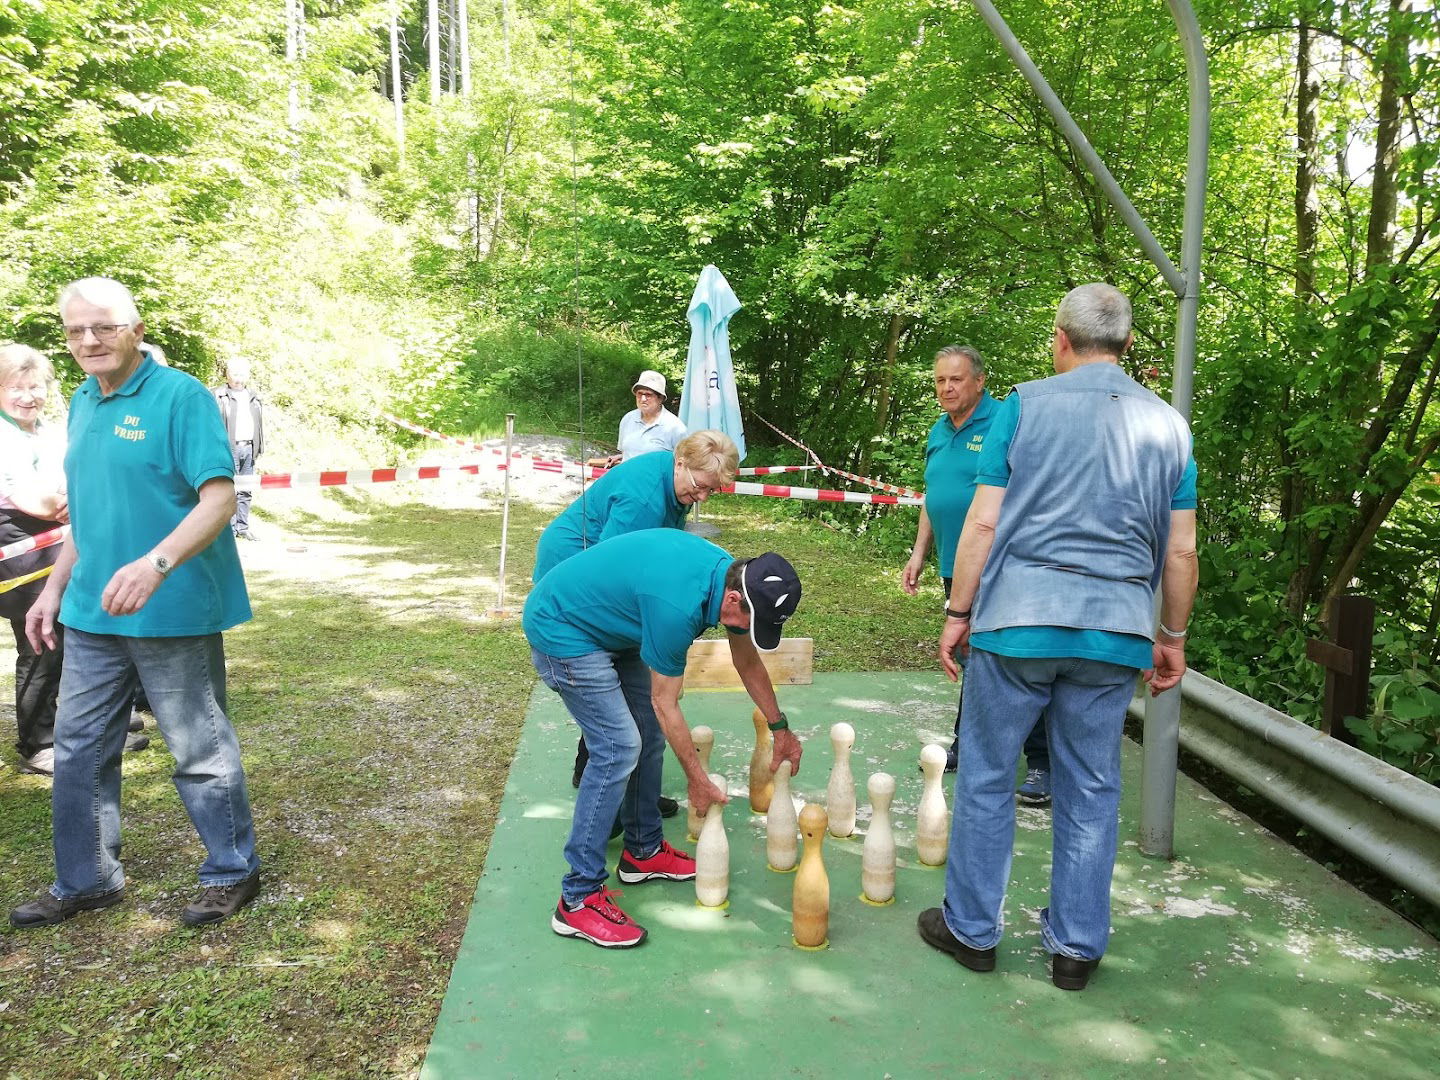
x,y
1162,714
505,514
432,11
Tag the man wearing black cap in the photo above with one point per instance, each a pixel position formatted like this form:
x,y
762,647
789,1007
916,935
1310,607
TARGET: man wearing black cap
x,y
609,630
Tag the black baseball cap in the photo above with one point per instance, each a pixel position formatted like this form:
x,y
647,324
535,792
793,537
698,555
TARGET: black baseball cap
x,y
772,589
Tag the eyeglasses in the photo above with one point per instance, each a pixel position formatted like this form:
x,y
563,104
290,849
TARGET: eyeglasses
x,y
102,331
647,394
32,391
701,489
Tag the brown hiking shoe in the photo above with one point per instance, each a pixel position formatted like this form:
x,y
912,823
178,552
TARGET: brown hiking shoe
x,y
51,910
219,902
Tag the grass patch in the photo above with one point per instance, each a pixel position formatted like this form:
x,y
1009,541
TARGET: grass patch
x,y
378,712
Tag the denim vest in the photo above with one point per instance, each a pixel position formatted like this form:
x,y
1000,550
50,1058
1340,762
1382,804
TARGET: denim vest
x,y
1080,543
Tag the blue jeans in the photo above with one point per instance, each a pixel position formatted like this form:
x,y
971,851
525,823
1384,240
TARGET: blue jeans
x,y
1037,746
184,677
243,456
608,694
1084,701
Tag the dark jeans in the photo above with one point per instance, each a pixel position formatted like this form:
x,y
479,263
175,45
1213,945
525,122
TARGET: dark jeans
x,y
244,455
37,688
1037,743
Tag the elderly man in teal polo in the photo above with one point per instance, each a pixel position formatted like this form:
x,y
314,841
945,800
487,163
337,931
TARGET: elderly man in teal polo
x,y
144,586
952,456
609,629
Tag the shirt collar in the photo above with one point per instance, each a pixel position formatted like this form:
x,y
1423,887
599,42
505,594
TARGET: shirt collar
x,y
983,408
717,591
131,386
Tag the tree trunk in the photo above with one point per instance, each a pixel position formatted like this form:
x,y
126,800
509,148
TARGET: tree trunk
x,y
292,55
1380,236
432,12
463,15
396,83
1307,95
887,381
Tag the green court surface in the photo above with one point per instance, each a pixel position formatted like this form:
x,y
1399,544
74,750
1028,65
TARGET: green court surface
x,y
1240,958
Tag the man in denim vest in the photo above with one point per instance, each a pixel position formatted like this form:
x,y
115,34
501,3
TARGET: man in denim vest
x,y
1084,507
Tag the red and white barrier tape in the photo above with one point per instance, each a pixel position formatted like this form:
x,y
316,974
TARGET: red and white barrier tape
x,y
894,489
346,477
780,491
34,543
770,470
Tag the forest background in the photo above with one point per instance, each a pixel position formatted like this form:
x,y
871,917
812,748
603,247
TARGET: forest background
x,y
454,225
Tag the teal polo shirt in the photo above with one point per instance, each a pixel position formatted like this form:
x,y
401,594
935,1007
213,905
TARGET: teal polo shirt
x,y
656,590
952,456
135,464
1128,650
638,494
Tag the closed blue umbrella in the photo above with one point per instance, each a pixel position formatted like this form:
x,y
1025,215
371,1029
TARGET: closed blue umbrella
x,y
710,399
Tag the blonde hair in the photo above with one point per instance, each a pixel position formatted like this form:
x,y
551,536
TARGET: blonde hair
x,y
709,451
20,359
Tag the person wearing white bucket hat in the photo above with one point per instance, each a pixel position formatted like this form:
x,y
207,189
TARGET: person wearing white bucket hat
x,y
649,426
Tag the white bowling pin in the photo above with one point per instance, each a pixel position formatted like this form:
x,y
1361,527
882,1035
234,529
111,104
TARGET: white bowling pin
x,y
781,824
704,740
932,822
840,796
877,859
712,855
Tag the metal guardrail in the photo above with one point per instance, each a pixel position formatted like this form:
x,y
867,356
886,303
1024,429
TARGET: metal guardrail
x,y
1380,814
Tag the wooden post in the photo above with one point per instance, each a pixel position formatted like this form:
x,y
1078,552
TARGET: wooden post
x,y
1346,659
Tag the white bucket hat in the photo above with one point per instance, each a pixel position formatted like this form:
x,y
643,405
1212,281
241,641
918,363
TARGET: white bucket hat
x,y
651,380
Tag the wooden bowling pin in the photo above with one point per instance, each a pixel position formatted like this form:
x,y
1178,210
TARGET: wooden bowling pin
x,y
810,906
781,827
840,796
704,740
877,858
712,855
762,782
932,822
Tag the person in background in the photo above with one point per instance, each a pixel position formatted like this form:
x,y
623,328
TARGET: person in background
x,y
952,455
243,413
32,503
649,426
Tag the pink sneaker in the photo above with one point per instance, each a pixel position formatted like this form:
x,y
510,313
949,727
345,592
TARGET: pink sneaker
x,y
598,921
667,864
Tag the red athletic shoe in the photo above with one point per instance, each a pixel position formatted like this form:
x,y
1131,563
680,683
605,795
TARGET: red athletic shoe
x,y
667,864
598,921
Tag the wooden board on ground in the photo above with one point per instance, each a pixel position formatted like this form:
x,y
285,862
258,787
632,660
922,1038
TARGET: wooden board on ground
x,y
708,666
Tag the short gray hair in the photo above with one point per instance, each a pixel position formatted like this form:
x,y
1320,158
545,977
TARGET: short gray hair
x,y
977,365
17,360
102,292
1096,318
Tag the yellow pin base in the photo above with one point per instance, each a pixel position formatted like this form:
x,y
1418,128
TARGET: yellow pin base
x,y
813,948
877,903
779,871
929,865
713,907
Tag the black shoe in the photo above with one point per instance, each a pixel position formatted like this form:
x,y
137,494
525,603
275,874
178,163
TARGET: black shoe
x,y
136,741
1070,974
933,929
582,757
137,721
51,910
219,902
667,807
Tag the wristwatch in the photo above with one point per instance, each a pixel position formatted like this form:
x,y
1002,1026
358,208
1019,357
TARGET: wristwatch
x,y
161,564
778,725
